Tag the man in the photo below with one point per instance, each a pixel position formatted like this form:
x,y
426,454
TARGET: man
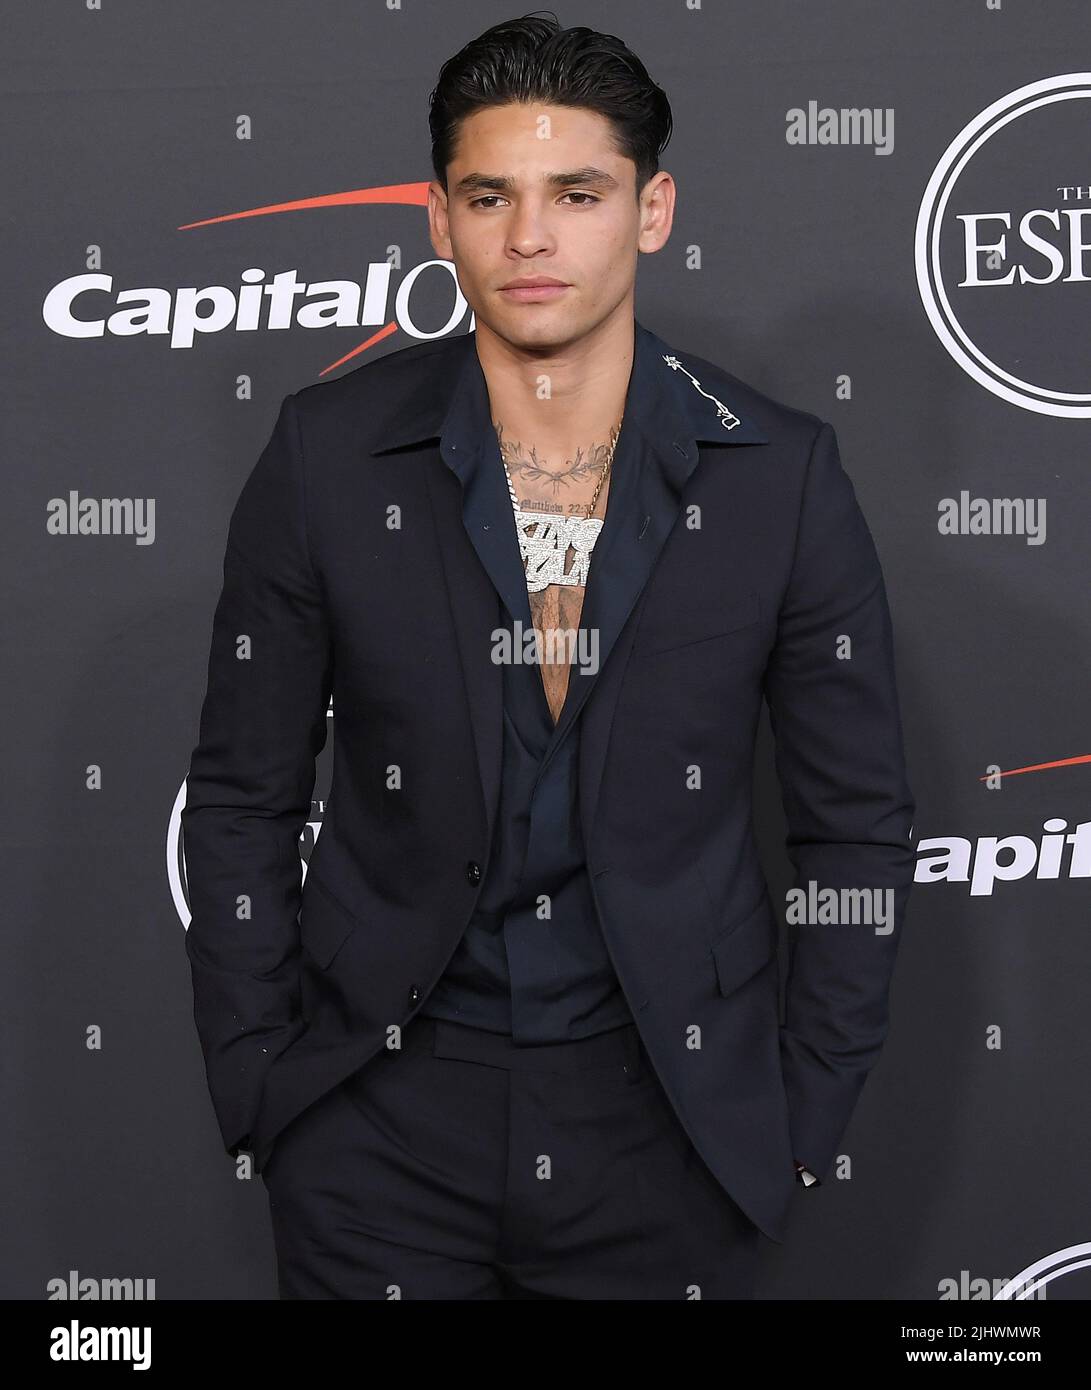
x,y
524,1038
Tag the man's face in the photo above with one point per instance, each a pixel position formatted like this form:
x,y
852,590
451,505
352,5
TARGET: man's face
x,y
537,190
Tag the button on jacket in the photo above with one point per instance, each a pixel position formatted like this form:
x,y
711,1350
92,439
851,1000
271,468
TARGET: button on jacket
x,y
733,564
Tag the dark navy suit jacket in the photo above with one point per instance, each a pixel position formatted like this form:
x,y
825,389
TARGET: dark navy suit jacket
x,y
732,571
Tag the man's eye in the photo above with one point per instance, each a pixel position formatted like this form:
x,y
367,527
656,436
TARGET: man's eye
x,y
577,194
476,202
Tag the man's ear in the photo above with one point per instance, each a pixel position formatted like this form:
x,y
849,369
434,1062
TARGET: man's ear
x,y
657,200
437,221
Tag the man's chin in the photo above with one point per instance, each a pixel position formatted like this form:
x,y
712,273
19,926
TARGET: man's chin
x,y
533,327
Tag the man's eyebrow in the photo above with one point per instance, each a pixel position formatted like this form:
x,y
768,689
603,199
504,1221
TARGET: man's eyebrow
x,y
587,177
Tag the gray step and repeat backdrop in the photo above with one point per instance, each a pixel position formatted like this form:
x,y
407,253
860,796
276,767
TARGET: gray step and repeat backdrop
x,y
884,218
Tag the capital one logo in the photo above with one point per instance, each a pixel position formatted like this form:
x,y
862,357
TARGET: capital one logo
x,y
91,305
1003,247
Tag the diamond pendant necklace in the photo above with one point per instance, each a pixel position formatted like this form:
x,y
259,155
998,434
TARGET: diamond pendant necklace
x,y
544,553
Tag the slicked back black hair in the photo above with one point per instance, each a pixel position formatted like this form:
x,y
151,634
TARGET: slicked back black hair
x,y
534,59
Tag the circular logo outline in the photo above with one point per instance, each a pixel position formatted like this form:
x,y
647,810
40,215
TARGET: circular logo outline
x,y
944,321
1027,1282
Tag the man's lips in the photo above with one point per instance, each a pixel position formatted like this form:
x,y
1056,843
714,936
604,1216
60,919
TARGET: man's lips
x,y
531,293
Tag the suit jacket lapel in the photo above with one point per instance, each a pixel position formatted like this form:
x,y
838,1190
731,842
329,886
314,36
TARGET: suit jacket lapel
x,y
656,453
667,412
479,548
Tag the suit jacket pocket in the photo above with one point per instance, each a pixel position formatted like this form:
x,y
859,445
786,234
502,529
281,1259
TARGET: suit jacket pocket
x,y
668,624
744,948
324,922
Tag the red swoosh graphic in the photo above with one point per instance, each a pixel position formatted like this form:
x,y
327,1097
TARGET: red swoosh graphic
x,y
405,194
375,338
1041,767
410,194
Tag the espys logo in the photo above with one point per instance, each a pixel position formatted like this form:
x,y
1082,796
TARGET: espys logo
x,y
89,305
1003,242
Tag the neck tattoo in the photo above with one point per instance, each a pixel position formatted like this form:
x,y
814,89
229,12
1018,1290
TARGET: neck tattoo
x,y
545,538
530,467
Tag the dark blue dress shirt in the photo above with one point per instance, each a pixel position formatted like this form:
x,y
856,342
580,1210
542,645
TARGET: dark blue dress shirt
x,y
539,978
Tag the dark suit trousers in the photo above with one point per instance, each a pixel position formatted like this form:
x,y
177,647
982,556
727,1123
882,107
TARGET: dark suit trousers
x,y
462,1166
